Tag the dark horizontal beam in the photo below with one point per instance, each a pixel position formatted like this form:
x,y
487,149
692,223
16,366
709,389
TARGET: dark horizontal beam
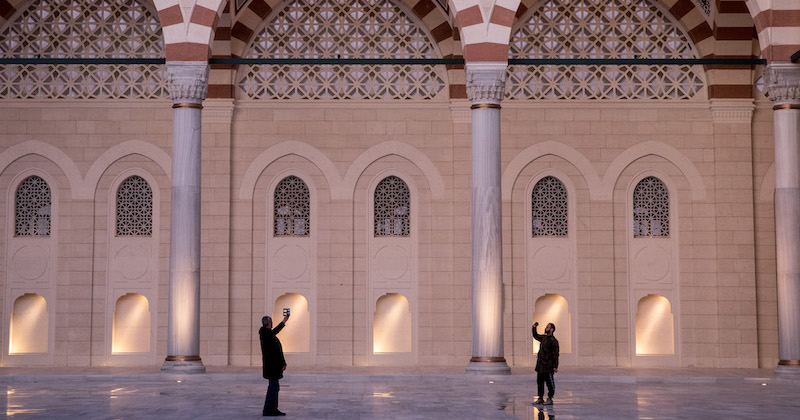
x,y
403,61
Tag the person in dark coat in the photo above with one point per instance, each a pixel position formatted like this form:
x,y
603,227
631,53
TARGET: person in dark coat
x,y
273,362
546,362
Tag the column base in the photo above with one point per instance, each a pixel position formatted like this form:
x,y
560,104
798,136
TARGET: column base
x,y
488,366
183,364
788,369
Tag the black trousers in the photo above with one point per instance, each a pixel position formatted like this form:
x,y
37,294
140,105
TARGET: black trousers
x,y
546,378
271,402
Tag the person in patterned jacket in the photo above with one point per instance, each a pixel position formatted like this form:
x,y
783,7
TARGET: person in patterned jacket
x,y
546,362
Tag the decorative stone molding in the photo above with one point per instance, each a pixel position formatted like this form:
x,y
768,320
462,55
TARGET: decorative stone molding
x,y
783,82
732,111
218,111
460,112
188,81
486,82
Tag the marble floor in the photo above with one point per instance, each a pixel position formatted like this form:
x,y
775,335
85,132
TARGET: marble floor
x,y
394,395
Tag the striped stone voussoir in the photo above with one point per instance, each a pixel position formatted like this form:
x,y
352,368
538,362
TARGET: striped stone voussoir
x,y
778,27
189,29
733,36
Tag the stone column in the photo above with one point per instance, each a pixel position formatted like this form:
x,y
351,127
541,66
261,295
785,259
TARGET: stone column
x,y
485,89
783,84
188,85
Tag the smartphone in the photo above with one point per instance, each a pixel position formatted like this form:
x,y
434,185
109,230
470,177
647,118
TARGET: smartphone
x,y
285,311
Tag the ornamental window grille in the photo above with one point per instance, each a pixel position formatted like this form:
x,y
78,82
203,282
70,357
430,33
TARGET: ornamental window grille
x,y
392,208
650,208
33,208
549,208
342,29
601,29
704,5
75,29
134,207
292,208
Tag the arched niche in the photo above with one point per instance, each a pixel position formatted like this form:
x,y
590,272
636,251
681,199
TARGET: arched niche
x,y
553,308
296,335
655,331
131,331
28,331
391,328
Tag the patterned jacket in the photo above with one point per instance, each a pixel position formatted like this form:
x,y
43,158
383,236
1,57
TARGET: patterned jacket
x,y
547,360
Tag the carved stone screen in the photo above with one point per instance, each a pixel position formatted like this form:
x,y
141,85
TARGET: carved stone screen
x,y
70,29
650,208
601,29
292,208
134,208
392,208
341,29
549,208
32,208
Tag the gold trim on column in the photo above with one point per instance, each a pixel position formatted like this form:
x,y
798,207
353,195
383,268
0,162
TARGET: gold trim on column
x,y
488,359
183,359
485,106
786,106
187,105
789,363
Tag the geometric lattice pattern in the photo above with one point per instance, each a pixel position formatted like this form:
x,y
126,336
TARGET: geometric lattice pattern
x,y
392,208
341,29
71,29
32,208
549,207
705,6
650,208
134,207
292,208
601,29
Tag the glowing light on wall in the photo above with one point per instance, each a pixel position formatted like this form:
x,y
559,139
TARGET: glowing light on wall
x,y
131,331
554,308
391,328
29,325
296,336
655,331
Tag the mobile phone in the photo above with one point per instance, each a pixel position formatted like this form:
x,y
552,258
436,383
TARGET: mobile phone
x,y
285,311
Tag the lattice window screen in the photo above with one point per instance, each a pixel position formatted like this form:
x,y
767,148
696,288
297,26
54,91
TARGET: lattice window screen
x,y
32,208
549,208
650,208
134,207
292,208
76,29
601,29
341,29
392,208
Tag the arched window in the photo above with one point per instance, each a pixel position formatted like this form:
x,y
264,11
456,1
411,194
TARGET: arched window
x,y
650,208
601,29
549,208
134,207
292,208
32,208
392,208
80,29
342,29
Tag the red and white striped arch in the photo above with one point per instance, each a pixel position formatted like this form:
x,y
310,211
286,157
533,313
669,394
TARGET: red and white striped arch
x,y
778,26
188,27
485,27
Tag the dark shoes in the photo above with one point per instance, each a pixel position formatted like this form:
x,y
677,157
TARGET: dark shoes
x,y
538,401
274,414
549,401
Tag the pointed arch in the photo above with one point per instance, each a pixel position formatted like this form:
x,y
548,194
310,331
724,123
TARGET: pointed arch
x,y
47,151
115,153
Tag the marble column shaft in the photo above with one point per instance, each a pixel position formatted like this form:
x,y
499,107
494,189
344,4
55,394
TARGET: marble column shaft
x,y
485,88
783,84
188,87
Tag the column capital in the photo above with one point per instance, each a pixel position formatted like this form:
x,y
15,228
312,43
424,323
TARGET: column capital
x,y
783,83
486,82
188,81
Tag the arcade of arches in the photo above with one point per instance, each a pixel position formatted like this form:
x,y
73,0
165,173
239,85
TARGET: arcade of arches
x,y
408,214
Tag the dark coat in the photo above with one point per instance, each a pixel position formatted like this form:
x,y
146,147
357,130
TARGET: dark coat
x,y
547,359
271,352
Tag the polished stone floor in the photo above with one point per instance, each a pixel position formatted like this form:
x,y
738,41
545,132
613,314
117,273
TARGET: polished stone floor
x,y
375,394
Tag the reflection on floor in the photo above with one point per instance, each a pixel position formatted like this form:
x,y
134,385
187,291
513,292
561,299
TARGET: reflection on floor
x,y
373,395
